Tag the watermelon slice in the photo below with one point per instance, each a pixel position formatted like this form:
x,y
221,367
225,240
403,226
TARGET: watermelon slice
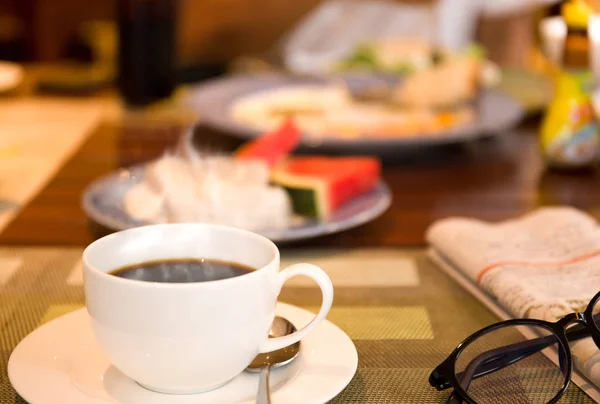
x,y
272,147
319,185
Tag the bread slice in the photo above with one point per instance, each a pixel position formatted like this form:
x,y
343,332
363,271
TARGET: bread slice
x,y
454,82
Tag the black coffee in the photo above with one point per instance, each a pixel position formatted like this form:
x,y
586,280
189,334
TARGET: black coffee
x,y
182,270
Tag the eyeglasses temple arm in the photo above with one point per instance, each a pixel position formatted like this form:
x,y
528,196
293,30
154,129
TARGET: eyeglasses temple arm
x,y
498,358
488,362
454,398
579,331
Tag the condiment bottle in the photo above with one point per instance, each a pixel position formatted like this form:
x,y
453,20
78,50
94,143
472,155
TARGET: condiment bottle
x,y
570,136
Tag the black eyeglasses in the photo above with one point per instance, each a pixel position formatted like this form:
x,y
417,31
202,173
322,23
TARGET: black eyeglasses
x,y
508,362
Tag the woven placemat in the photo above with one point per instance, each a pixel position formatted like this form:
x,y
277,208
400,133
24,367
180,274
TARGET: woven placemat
x,y
403,315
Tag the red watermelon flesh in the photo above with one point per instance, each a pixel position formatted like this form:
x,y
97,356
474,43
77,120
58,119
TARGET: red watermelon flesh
x,y
319,185
272,147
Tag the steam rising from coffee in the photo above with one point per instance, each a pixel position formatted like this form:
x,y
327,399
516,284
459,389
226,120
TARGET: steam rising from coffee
x,y
182,271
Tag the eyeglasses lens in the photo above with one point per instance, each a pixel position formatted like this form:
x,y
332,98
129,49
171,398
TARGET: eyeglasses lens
x,y
506,367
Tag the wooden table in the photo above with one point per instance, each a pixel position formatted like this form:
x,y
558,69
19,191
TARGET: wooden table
x,y
491,179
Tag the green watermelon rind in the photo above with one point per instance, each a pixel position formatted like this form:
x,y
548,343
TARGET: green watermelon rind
x,y
304,201
308,194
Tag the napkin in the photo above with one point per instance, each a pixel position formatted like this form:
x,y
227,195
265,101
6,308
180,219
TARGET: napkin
x,y
544,264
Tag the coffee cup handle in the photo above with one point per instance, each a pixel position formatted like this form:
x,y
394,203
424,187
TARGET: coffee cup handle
x,y
322,279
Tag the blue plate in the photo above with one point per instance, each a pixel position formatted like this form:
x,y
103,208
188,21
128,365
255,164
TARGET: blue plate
x,y
103,199
496,113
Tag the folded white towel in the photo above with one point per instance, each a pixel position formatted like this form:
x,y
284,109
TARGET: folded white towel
x,y
542,265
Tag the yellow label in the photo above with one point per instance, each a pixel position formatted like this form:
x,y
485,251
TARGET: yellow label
x,y
569,132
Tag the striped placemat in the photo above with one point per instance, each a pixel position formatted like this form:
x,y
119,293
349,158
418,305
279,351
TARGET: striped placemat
x,y
402,313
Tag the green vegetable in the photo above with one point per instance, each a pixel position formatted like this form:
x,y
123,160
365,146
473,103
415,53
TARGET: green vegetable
x,y
403,69
437,57
475,51
363,56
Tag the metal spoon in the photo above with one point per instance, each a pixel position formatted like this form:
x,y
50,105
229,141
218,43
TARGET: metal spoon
x,y
265,361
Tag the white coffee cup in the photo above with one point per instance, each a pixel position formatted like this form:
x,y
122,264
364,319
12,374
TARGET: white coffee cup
x,y
189,337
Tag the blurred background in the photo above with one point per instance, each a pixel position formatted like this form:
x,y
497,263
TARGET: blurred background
x,y
209,35
218,31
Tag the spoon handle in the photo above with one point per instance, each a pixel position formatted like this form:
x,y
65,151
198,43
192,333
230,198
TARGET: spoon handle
x,y
264,391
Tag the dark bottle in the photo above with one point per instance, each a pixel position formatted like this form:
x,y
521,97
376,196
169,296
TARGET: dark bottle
x,y
147,41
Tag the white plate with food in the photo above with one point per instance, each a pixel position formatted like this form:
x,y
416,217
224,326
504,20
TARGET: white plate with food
x,y
444,98
260,188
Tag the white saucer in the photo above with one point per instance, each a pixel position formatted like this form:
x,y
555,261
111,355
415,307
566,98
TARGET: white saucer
x,y
61,362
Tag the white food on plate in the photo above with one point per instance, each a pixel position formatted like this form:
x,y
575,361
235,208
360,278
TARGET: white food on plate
x,y
331,111
415,52
310,105
144,203
209,189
